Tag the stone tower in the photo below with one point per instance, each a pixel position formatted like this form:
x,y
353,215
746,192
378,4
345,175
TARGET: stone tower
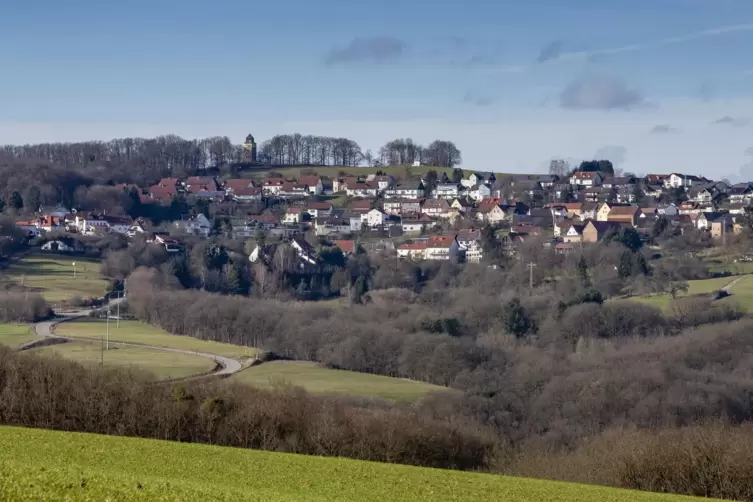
x,y
249,149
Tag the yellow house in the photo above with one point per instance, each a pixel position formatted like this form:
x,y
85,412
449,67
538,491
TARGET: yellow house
x,y
603,213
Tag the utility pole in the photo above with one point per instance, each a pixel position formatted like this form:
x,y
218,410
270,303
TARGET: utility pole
x,y
117,321
74,269
107,343
530,277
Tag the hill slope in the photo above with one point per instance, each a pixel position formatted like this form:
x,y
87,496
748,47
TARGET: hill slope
x,y
37,464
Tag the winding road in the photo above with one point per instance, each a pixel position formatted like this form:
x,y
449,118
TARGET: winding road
x,y
226,366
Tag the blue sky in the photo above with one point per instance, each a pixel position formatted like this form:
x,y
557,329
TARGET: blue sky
x,y
514,84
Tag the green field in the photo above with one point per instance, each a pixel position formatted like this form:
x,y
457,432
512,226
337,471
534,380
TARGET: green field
x,y
15,335
161,364
331,172
138,332
52,276
38,464
741,294
702,286
318,379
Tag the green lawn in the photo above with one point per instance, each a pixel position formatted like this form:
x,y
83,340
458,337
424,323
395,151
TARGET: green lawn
x,y
157,362
38,464
15,335
318,379
139,332
742,294
662,301
52,276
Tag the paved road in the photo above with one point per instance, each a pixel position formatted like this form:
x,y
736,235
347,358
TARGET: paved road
x,y
226,366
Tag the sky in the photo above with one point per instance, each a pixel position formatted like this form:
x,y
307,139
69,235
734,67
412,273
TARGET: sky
x,y
653,85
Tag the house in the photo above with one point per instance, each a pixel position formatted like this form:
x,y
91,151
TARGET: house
x,y
242,190
314,182
267,220
293,190
700,194
561,227
196,225
443,248
382,182
362,189
163,239
374,218
319,209
588,211
531,189
564,248
411,206
334,225
704,220
360,206
586,179
649,213
594,231
446,191
606,208
741,194
722,226
341,184
303,250
689,207
62,245
405,190
414,251
470,243
417,225
475,179
737,209
200,182
565,209
435,207
479,192
492,214
654,191
461,205
59,211
598,194
165,192
547,180
668,210
624,214
348,247
617,182
676,180
89,223
393,206
655,179
624,195
293,215
273,186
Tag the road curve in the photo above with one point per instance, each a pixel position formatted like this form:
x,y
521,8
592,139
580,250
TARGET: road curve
x,y
227,365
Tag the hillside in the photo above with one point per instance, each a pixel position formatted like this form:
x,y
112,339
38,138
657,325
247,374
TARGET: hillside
x,y
400,171
37,464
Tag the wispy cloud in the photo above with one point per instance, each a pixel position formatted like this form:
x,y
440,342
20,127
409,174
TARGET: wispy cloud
x,y
601,92
477,98
664,129
370,50
732,121
553,51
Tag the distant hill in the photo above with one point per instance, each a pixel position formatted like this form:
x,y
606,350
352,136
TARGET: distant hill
x,y
38,464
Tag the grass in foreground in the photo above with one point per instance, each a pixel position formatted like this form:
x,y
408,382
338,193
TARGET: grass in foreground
x,y
741,294
38,464
161,364
15,335
52,276
139,332
318,379
663,301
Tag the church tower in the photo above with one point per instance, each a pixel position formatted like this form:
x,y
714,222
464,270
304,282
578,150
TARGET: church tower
x,y
249,150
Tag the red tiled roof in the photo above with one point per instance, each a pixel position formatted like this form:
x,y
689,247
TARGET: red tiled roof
x,y
413,246
440,241
346,246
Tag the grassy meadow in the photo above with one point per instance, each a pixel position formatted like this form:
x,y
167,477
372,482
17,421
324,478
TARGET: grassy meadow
x,y
139,332
15,335
320,380
52,277
39,464
702,286
331,172
161,364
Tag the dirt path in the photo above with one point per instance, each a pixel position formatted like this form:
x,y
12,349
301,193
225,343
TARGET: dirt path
x,y
226,366
731,284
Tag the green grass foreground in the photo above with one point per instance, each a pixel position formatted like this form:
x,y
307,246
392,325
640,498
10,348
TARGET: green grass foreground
x,y
52,276
15,335
38,464
161,364
139,332
320,380
698,287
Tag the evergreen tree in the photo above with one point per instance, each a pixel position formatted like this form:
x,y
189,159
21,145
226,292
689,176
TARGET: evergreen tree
x,y
625,268
582,268
16,201
2,205
517,321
